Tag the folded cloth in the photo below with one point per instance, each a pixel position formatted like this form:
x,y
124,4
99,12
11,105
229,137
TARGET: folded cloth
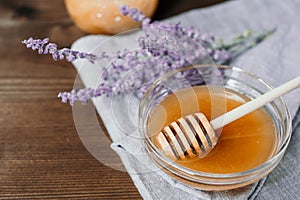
x,y
275,60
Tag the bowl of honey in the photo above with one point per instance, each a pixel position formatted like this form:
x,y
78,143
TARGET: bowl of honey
x,y
247,150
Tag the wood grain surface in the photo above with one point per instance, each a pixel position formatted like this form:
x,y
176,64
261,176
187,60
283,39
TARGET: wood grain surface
x,y
41,155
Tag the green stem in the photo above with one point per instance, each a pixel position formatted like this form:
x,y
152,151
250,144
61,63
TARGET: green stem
x,y
249,43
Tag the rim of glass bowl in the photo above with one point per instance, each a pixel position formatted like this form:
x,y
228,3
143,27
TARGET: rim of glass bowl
x,y
280,150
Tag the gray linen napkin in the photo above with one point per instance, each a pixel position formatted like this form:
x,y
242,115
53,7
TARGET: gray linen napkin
x,y
275,60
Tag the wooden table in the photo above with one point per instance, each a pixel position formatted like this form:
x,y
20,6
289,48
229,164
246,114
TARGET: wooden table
x,y
41,155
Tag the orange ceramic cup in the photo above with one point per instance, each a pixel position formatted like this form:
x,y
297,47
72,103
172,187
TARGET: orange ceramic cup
x,y
104,17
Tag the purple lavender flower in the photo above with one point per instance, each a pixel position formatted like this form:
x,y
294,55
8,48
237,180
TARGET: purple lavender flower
x,y
44,47
134,13
82,95
163,47
222,55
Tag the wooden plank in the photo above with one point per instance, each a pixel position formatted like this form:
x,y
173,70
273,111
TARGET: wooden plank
x,y
41,154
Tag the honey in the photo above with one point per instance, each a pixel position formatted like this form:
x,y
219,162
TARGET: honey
x,y
243,144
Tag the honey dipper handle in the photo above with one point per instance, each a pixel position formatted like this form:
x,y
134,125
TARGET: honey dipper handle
x,y
254,104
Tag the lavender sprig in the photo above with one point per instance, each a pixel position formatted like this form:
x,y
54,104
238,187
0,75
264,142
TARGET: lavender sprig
x,y
246,41
44,47
189,43
163,47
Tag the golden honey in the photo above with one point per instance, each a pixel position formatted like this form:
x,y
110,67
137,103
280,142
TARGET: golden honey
x,y
243,144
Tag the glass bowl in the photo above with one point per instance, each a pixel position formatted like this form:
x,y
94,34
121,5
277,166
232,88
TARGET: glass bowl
x,y
228,77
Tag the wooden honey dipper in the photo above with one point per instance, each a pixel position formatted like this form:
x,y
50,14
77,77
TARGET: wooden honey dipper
x,y
193,135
